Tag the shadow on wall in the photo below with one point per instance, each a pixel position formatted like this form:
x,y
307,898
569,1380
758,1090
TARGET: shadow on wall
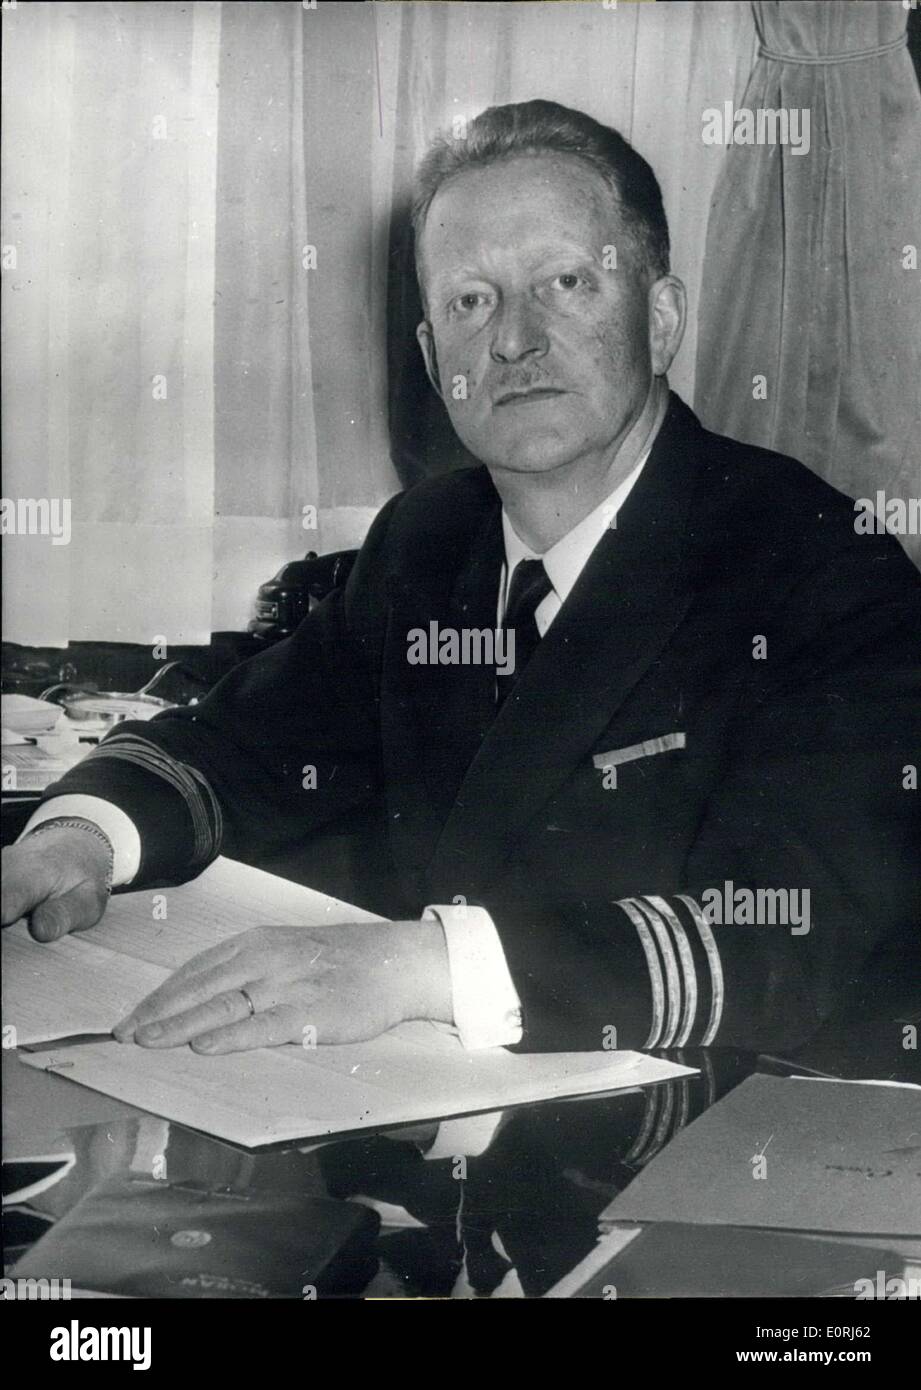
x,y
422,441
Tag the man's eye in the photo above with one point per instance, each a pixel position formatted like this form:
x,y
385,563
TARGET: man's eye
x,y
466,303
568,281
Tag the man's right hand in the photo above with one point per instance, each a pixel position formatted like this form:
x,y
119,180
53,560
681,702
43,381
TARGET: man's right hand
x,y
57,880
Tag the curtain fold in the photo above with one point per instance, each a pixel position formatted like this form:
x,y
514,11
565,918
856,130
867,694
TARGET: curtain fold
x,y
809,280
302,458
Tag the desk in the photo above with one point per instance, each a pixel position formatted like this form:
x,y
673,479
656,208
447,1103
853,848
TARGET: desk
x,y
515,1216
537,1177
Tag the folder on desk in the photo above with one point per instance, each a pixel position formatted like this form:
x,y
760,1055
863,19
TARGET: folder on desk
x,y
788,1187
795,1154
85,983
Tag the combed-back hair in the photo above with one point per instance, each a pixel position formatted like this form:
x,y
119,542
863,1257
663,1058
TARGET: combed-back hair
x,y
544,127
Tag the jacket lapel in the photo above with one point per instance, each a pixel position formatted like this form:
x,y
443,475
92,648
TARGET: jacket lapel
x,y
627,602
434,717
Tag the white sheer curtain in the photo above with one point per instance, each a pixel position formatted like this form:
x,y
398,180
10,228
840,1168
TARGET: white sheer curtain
x,y
109,199
110,118
170,364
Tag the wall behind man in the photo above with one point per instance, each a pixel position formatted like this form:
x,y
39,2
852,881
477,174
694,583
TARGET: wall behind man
x,y
206,203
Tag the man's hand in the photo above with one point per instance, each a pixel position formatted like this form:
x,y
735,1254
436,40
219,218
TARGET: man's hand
x,y
332,984
57,879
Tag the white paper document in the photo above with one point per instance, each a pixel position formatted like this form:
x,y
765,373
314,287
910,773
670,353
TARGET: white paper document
x,y
87,982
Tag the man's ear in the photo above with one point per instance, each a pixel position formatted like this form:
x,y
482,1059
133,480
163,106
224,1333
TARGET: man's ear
x,y
426,340
667,317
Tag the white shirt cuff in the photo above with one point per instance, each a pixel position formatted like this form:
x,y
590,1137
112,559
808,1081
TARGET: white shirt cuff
x,y
114,824
487,1010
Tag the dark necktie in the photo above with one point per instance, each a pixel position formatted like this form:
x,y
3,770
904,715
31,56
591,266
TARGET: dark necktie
x,y
529,587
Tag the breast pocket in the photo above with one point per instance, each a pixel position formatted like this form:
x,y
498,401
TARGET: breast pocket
x,y
609,761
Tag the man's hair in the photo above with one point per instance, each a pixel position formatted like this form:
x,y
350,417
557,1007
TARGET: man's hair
x,y
544,127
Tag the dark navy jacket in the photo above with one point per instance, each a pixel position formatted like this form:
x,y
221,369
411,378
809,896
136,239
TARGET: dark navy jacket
x,y
734,613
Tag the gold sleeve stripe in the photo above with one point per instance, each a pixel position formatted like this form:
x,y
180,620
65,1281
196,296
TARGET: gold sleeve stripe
x,y
655,972
686,958
187,781
672,979
717,984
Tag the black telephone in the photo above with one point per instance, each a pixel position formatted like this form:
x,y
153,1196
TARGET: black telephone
x,y
285,599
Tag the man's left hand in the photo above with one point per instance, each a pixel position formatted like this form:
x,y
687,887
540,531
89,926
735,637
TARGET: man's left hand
x,y
340,983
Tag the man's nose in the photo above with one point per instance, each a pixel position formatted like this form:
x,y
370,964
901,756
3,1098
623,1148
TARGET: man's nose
x,y
518,331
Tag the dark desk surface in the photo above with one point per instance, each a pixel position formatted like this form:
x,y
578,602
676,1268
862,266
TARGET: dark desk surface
x,y
515,1217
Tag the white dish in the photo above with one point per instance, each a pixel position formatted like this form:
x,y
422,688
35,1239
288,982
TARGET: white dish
x,y
25,715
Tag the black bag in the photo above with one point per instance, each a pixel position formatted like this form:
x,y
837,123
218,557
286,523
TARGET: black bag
x,y
146,1239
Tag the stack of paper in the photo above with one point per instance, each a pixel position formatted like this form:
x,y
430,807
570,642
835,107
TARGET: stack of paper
x,y
85,983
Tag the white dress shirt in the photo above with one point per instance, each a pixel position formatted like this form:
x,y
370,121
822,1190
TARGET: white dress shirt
x,y
487,1010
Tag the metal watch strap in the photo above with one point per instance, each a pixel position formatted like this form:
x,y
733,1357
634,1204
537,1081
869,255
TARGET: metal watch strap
x,y
77,823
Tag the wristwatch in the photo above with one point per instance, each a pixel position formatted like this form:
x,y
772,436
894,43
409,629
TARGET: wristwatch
x,y
91,828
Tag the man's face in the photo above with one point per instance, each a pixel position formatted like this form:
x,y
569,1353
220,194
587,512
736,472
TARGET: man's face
x,y
542,351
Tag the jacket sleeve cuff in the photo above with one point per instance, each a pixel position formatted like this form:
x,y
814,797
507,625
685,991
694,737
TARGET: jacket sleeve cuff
x,y
175,811
117,827
487,1010
685,970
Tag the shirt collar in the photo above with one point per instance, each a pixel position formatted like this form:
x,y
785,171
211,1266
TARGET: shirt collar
x,y
565,560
